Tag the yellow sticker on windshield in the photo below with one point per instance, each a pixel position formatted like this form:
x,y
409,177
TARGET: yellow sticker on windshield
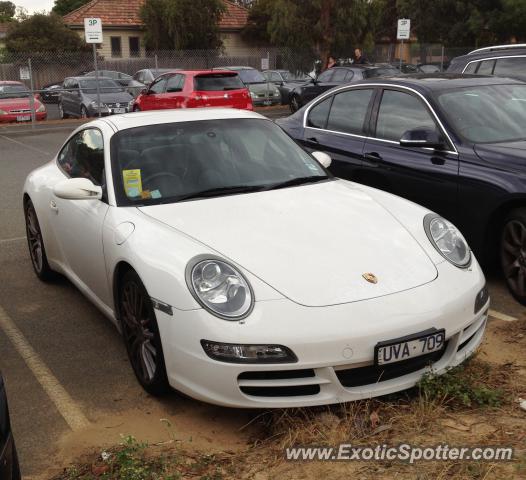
x,y
132,182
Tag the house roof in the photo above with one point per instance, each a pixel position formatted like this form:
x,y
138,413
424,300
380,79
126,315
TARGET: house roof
x,y
126,13
3,29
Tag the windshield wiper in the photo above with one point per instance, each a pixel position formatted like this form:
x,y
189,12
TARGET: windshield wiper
x,y
296,181
216,192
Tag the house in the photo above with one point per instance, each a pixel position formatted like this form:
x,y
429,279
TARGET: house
x,y
123,31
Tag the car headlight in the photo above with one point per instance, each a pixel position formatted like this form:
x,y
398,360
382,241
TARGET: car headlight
x,y
41,108
253,95
219,287
448,240
276,91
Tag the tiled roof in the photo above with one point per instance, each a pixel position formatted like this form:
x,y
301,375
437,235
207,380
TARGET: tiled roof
x,y
126,13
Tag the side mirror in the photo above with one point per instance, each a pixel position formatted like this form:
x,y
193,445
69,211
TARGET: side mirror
x,y
77,189
422,137
323,158
144,91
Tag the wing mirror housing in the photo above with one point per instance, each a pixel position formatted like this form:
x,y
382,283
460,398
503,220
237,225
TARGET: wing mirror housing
x,y
323,158
422,137
77,189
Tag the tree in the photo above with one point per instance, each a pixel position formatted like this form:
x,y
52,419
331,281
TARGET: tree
x,y
42,33
62,7
7,11
182,24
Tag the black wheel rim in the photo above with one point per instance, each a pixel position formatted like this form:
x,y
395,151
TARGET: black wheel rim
x,y
60,111
83,113
138,332
34,238
295,104
514,256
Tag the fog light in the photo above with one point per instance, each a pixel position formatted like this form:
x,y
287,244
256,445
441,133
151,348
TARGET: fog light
x,y
481,299
236,353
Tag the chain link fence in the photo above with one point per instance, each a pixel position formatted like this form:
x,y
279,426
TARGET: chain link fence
x,y
40,70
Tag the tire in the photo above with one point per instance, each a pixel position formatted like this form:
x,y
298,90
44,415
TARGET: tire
x,y
141,335
513,253
35,243
295,103
136,108
83,112
61,111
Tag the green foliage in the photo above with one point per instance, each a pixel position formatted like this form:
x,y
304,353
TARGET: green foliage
x,y
42,33
7,11
167,22
62,7
459,386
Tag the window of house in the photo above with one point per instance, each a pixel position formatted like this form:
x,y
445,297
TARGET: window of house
x,y
116,47
135,46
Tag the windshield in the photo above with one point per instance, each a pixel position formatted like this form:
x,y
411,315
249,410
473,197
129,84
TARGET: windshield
x,y
105,86
487,114
13,91
380,72
291,77
251,76
172,162
218,81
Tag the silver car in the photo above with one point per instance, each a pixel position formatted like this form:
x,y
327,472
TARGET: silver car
x,y
79,98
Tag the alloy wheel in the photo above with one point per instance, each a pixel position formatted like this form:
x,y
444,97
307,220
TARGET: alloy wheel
x,y
34,239
294,104
514,257
139,332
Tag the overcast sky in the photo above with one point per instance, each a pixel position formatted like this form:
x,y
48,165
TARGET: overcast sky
x,y
34,5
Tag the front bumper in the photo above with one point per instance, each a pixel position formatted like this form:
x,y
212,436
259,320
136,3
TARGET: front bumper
x,y
334,345
21,117
106,111
266,101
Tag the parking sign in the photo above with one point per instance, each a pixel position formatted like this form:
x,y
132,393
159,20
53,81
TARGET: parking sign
x,y
404,29
93,30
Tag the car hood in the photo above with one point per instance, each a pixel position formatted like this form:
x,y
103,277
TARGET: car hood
x,y
311,243
510,154
110,97
16,103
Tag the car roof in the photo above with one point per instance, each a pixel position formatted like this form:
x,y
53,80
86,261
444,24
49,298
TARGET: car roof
x,y
234,68
200,72
493,52
157,117
82,77
10,82
434,82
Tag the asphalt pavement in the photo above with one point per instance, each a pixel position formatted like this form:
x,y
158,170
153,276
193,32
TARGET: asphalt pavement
x,y
60,336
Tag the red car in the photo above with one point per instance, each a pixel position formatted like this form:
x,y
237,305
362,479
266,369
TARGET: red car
x,y
15,103
195,88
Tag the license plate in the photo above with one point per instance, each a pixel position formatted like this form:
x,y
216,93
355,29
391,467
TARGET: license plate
x,y
119,110
412,346
23,118
267,102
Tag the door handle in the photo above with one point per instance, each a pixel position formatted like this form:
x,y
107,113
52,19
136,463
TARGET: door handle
x,y
53,206
438,160
372,157
313,140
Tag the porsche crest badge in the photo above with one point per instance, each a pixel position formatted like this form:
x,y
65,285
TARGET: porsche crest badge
x,y
370,277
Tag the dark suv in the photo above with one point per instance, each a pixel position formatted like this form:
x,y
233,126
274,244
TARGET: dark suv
x,y
502,61
333,77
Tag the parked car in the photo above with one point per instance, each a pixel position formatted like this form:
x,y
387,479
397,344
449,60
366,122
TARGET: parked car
x,y
195,88
121,78
15,103
79,97
502,61
285,81
50,93
9,466
455,144
144,78
263,92
240,271
333,77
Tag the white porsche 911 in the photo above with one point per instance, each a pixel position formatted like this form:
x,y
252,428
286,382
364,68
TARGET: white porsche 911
x,y
242,273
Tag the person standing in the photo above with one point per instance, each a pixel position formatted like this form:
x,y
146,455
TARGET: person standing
x,y
331,62
358,57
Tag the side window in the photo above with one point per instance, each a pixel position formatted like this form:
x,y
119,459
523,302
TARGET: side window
x,y
349,110
275,77
400,112
512,67
339,75
83,156
174,83
325,76
158,85
486,67
319,113
471,67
